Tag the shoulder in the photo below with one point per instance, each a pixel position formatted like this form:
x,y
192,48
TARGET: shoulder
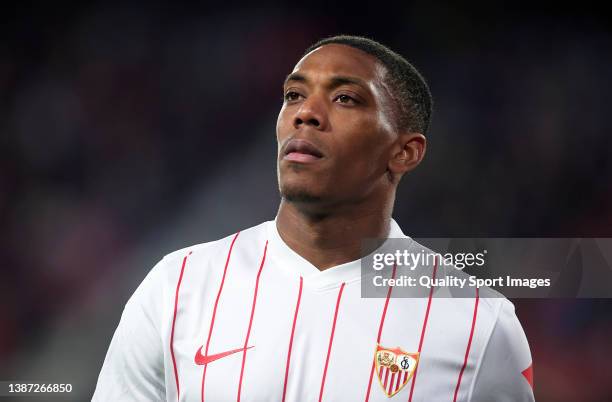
x,y
505,368
242,242
509,334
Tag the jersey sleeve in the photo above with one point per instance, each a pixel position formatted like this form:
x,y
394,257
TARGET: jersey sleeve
x,y
505,371
133,369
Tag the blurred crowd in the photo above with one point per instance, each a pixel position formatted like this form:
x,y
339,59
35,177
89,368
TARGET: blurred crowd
x,y
113,116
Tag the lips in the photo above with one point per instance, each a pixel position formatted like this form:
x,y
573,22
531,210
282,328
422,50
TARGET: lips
x,y
298,150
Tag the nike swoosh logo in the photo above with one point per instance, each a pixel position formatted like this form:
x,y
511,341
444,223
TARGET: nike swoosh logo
x,y
200,359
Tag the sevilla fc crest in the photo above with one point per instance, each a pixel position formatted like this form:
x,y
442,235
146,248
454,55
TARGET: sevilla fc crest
x,y
394,367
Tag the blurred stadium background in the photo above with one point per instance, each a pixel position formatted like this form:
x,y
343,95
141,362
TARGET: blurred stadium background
x,y
128,131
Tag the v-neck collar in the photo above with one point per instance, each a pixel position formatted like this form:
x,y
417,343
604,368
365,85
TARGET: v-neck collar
x,y
329,278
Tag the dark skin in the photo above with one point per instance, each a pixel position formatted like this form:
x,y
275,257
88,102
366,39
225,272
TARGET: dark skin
x,y
346,155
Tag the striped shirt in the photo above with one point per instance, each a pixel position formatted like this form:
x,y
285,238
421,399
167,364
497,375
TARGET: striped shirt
x,y
245,318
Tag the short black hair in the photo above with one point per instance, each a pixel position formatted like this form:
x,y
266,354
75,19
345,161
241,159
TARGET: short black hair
x,y
407,85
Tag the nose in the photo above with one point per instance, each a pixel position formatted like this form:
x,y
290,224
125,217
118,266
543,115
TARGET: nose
x,y
311,113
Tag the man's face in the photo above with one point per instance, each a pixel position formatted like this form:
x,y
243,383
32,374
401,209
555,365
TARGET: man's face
x,y
335,128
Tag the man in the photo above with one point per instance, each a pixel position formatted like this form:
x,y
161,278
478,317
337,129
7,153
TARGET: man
x,y
275,312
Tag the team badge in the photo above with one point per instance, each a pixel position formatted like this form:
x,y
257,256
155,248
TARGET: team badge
x,y
394,367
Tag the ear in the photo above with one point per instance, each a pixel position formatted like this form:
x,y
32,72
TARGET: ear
x,y
407,153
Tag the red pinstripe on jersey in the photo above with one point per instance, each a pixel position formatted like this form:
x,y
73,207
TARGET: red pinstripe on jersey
x,y
380,328
331,340
397,379
386,377
414,377
212,321
176,298
246,339
297,308
390,389
467,349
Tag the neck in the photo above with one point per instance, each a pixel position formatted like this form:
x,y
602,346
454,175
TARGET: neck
x,y
332,238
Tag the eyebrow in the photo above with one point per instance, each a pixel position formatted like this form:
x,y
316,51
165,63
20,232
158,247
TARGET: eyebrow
x,y
334,81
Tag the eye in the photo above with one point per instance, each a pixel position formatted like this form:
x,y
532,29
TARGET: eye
x,y
291,96
345,99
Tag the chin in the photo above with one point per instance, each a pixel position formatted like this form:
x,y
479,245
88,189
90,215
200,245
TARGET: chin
x,y
299,194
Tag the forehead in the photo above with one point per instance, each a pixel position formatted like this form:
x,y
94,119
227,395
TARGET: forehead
x,y
335,59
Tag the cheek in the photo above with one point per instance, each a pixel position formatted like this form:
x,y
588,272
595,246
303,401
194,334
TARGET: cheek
x,y
362,148
365,138
282,129
281,125
377,140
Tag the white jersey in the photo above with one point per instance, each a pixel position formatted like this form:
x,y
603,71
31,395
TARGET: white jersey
x,y
245,318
